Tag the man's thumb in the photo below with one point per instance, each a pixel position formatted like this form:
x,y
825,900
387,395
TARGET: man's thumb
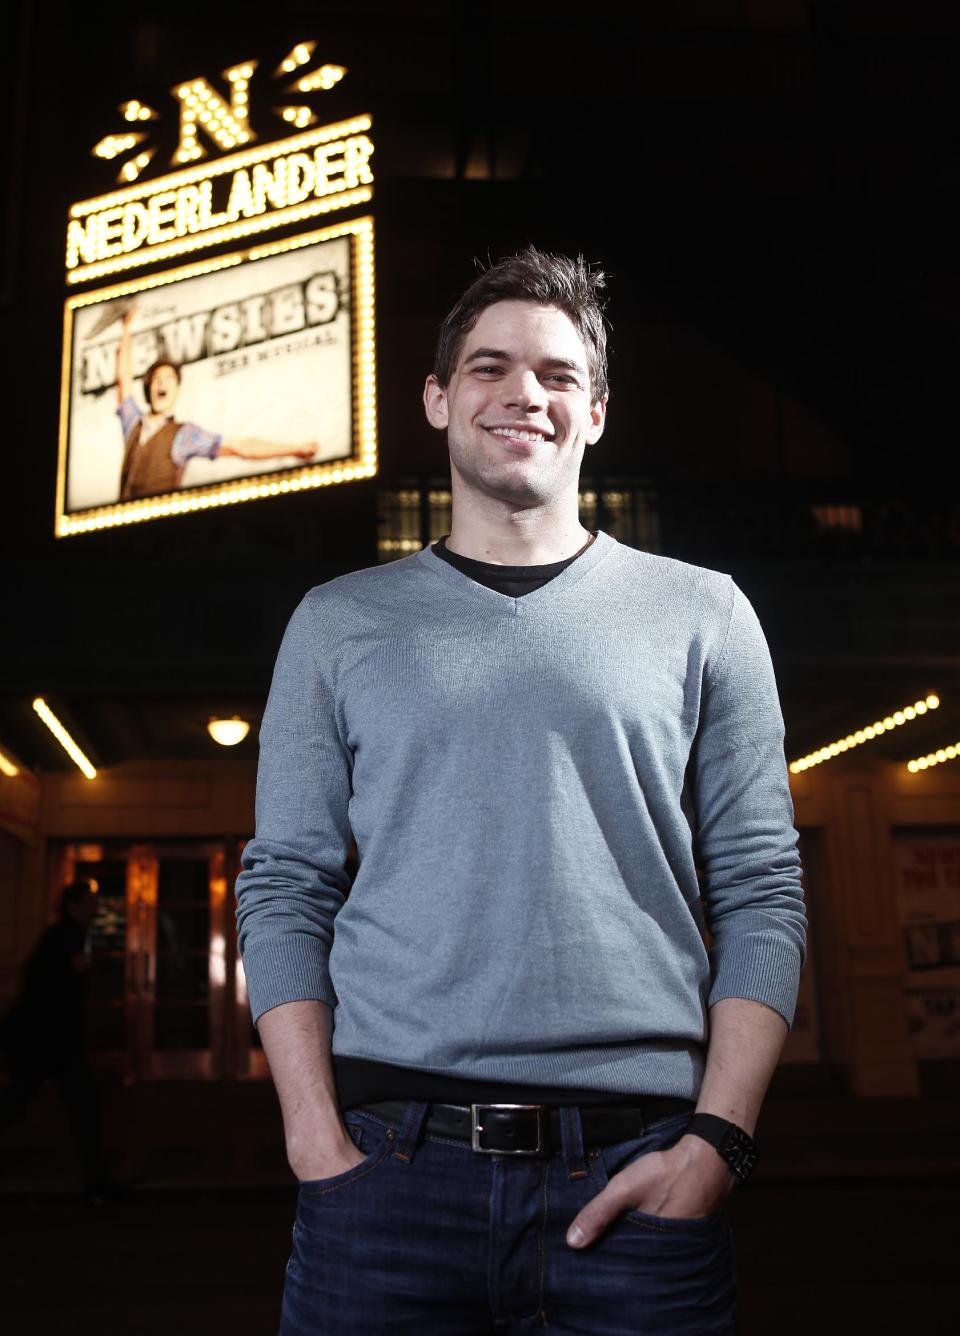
x,y
593,1219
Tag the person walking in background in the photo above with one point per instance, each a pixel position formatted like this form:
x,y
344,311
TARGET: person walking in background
x,y
43,1035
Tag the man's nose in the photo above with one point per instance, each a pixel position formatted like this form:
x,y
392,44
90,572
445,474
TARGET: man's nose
x,y
523,390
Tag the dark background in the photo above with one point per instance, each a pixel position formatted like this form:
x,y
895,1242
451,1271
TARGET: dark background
x,y
772,188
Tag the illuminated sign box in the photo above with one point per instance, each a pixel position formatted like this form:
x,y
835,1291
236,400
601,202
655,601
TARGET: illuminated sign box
x,y
241,195
246,375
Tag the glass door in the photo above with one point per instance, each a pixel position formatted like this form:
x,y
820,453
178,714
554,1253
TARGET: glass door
x,y
167,999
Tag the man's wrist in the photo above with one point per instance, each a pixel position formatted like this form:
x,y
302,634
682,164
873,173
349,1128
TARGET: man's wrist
x,y
732,1144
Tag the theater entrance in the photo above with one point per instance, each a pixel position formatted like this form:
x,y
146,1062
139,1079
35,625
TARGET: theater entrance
x,y
167,996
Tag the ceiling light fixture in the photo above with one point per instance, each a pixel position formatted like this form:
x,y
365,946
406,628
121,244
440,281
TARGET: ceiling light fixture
x,y
934,758
63,737
228,732
865,734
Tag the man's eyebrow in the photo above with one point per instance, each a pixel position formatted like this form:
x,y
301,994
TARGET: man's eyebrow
x,y
499,355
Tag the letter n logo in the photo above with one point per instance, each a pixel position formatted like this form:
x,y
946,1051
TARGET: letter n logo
x,y
202,107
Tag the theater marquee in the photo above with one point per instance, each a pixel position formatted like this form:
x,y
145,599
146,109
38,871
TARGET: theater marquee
x,y
245,193
198,380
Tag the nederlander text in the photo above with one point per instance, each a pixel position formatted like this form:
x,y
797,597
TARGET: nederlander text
x,y
167,215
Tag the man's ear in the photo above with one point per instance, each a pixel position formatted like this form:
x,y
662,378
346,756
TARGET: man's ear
x,y
435,403
598,419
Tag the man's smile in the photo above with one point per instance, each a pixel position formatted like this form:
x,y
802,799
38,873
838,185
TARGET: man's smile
x,y
516,433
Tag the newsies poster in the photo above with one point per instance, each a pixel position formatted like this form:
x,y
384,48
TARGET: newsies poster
x,y
239,377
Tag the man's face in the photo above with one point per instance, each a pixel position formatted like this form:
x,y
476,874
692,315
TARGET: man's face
x,y
517,410
164,386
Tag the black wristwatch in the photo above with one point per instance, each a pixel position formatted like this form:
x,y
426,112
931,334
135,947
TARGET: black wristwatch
x,y
730,1142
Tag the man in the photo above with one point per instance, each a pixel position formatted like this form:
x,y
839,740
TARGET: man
x,y
157,448
43,1035
535,735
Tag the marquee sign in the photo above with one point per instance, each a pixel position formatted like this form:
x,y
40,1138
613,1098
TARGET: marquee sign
x,y
245,193
244,374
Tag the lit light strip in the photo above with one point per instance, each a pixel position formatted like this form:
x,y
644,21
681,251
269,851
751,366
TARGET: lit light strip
x,y
866,734
321,80
300,54
280,148
154,280
182,505
7,766
63,737
934,758
231,232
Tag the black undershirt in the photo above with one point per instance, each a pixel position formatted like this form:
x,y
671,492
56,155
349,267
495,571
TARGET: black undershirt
x,y
360,1081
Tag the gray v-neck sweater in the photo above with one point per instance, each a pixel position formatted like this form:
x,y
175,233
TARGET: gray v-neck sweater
x,y
532,784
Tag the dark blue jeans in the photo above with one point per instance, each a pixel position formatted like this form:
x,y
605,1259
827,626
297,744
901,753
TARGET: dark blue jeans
x,y
426,1237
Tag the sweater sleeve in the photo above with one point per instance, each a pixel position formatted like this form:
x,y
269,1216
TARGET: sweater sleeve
x,y
294,881
745,840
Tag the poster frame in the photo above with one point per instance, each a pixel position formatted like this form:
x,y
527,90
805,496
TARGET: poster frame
x,y
360,463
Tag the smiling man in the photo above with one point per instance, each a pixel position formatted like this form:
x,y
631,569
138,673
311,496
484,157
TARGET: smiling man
x,y
517,1086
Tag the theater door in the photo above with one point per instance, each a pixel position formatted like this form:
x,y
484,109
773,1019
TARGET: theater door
x,y
166,993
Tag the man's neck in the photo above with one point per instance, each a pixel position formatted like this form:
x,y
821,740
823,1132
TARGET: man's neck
x,y
518,549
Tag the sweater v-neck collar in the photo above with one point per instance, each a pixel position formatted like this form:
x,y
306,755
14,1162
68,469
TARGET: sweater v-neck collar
x,y
601,547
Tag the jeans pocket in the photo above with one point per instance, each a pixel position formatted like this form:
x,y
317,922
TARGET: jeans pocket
x,y
606,1161
375,1139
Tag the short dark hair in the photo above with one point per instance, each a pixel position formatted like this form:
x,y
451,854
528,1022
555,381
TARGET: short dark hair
x,y
151,371
533,276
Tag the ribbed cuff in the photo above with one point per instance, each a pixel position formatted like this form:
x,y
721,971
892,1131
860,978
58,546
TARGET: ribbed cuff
x,y
290,968
762,967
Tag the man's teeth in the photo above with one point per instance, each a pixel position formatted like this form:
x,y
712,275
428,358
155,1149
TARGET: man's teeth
x,y
517,435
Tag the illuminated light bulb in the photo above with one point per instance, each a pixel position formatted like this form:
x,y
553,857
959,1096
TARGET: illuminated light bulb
x,y
228,732
7,766
921,707
940,754
888,722
899,717
909,712
288,66
933,701
912,767
321,80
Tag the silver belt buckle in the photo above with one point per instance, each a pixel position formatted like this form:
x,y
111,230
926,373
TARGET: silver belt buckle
x,y
476,1128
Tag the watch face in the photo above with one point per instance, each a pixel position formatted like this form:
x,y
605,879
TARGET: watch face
x,y
738,1151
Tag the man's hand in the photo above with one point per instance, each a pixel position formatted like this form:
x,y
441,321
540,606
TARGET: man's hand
x,y
687,1181
313,1162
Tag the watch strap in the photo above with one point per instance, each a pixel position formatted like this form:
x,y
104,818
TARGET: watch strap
x,y
736,1147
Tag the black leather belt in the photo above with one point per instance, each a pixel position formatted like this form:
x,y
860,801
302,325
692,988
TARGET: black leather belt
x,y
533,1129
